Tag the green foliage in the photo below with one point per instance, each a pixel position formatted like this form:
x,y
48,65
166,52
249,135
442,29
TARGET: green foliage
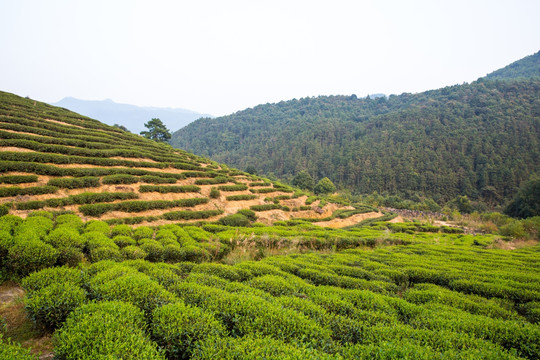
x,y
178,327
132,252
105,330
234,220
36,190
121,230
527,201
213,181
13,351
25,257
238,187
303,180
4,210
448,136
75,183
324,186
240,197
18,179
119,179
215,193
49,306
49,276
170,189
191,215
252,347
265,207
137,289
157,131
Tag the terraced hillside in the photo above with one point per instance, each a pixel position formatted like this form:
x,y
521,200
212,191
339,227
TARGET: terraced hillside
x,y
56,160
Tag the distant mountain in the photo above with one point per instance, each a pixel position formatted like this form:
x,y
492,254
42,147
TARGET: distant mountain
x,y
131,116
481,139
526,68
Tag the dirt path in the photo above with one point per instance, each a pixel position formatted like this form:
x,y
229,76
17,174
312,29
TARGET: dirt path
x,y
17,325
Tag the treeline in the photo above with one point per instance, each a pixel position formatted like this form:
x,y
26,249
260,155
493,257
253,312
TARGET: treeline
x,y
480,140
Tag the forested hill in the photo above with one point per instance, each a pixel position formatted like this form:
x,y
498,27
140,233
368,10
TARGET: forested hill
x,y
528,67
479,139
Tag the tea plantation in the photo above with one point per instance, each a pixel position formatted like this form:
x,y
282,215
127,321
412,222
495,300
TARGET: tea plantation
x,y
122,248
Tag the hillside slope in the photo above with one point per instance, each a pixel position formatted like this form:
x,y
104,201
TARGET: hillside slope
x,y
479,140
56,160
526,68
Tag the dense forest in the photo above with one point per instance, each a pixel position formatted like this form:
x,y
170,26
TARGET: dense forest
x,y
526,68
479,139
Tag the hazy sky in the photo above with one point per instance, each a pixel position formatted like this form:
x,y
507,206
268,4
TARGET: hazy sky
x,y
222,56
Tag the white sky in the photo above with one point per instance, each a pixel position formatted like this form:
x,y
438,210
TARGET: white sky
x,y
222,56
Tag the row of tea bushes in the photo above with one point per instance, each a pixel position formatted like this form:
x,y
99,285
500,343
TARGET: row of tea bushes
x,y
271,309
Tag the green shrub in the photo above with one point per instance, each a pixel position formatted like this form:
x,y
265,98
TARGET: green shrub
x,y
215,193
95,210
71,220
197,233
213,181
238,187
63,237
119,179
152,179
10,222
178,327
275,285
4,210
137,289
173,253
49,306
235,220
105,253
123,241
95,239
170,189
143,232
13,351
18,179
38,225
97,225
75,183
121,230
36,190
6,242
153,249
252,347
49,276
132,252
105,330
70,256
191,215
240,197
265,207
219,270
25,257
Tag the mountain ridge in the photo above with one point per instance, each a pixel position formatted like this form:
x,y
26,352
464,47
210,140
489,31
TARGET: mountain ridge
x,y
133,117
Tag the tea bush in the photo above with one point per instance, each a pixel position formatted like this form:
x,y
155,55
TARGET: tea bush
x,y
25,257
123,241
49,306
75,183
178,327
131,252
137,289
105,330
49,276
12,351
